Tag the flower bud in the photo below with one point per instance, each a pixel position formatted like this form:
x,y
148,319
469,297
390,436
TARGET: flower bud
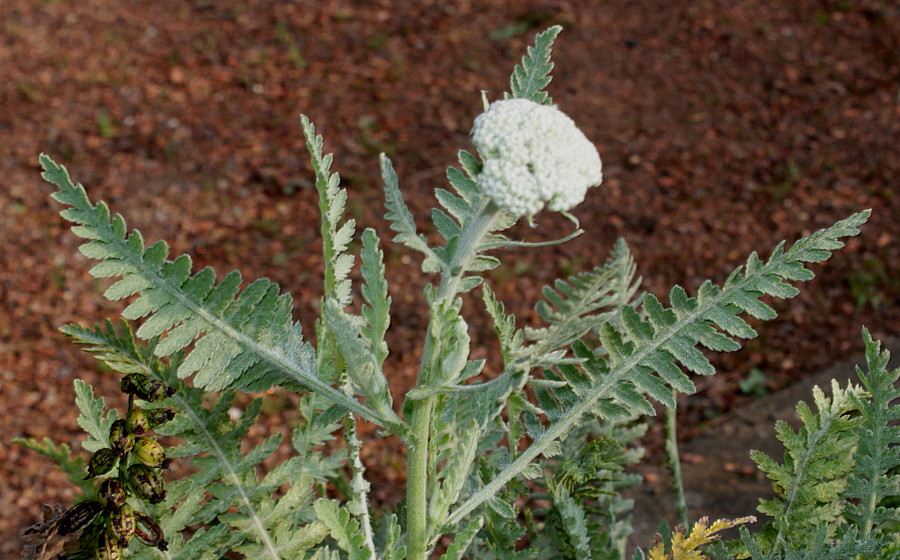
x,y
135,384
120,438
147,483
158,391
121,524
112,493
137,422
159,416
148,531
108,547
149,452
102,461
78,517
143,387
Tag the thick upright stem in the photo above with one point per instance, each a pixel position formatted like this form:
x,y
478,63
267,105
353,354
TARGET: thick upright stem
x,y
418,532
417,480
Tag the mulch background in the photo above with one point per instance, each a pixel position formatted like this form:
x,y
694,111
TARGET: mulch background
x,y
724,127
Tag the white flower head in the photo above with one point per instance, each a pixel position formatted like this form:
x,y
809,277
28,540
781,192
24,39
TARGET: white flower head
x,y
534,155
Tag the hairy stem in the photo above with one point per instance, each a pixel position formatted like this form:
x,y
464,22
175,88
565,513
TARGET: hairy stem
x,y
417,480
418,532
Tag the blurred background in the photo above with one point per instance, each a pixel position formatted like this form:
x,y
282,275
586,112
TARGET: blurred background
x,y
724,127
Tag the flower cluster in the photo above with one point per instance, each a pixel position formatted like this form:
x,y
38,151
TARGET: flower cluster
x,y
109,523
534,155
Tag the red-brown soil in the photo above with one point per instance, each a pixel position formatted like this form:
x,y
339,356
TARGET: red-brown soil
x,y
724,127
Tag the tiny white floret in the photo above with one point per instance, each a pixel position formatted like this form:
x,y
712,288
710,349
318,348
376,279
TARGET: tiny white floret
x,y
534,156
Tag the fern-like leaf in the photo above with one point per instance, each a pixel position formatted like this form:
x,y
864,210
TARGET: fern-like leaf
x,y
450,334
204,544
336,236
344,529
614,386
92,418
875,479
376,311
469,223
288,538
583,303
809,484
463,540
401,219
497,540
362,364
850,547
511,340
460,454
307,439
533,75
389,545
460,210
574,308
572,530
248,340
588,518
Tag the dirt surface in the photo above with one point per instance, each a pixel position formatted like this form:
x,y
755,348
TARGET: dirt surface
x,y
724,127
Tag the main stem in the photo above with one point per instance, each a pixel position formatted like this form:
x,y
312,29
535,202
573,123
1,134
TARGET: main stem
x,y
418,532
417,480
